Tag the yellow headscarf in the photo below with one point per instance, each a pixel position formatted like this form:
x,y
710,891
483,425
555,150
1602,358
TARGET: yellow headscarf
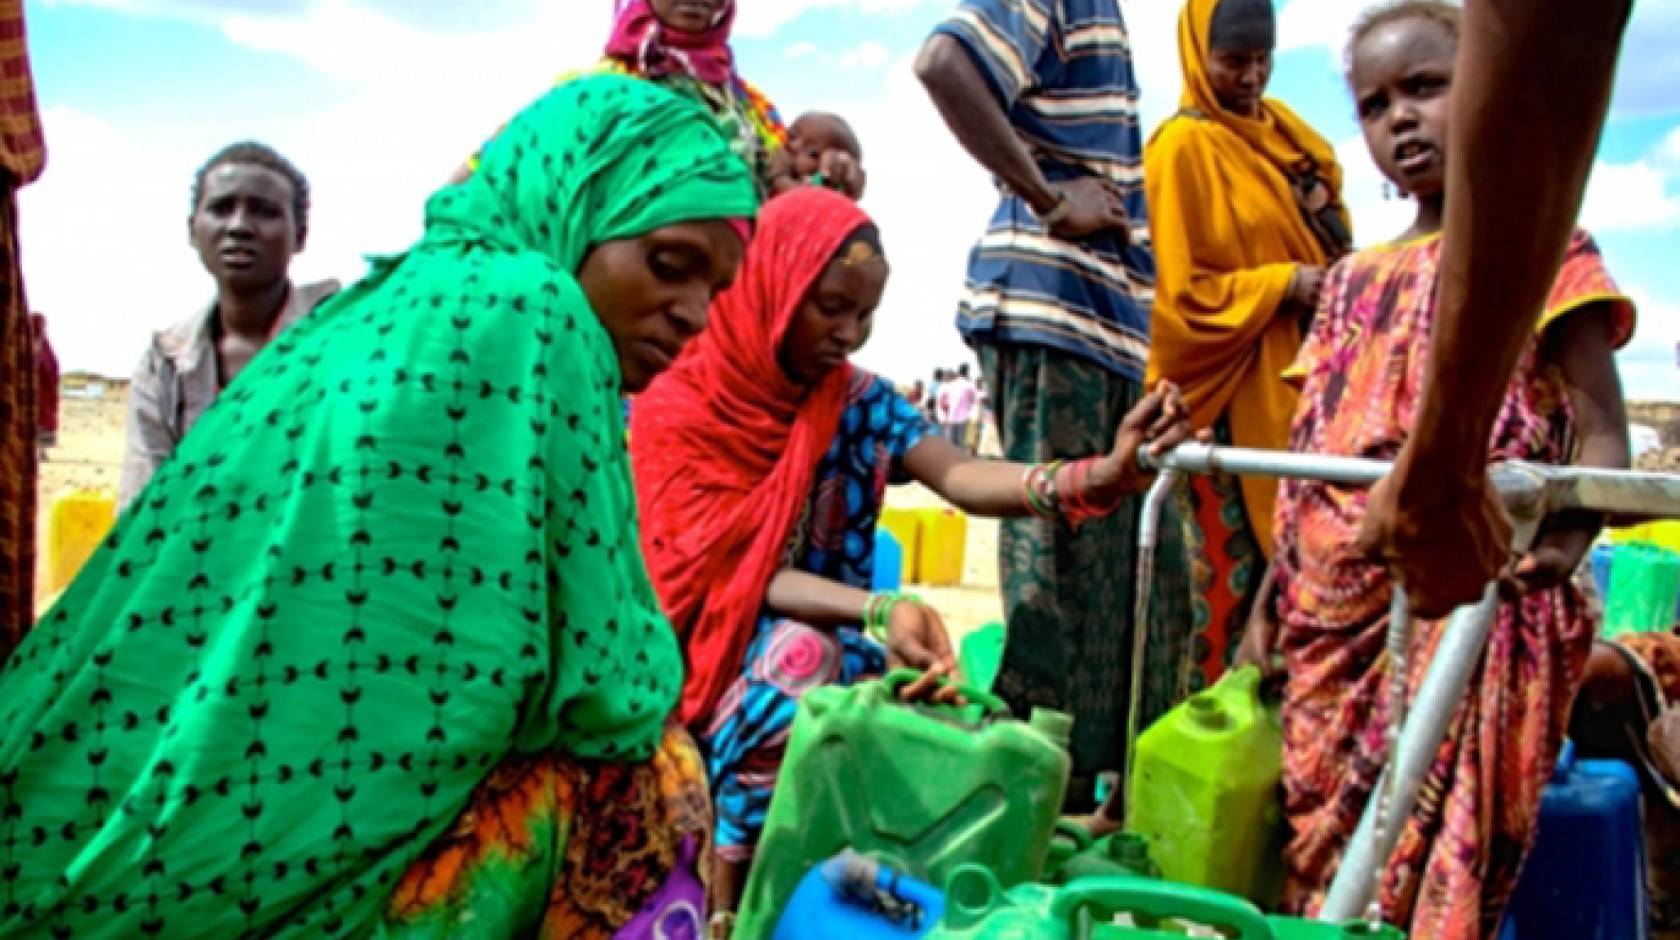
x,y
1229,235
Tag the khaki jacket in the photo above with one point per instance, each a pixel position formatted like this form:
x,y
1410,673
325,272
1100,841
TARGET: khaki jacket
x,y
177,379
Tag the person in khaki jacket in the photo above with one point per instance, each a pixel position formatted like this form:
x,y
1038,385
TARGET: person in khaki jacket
x,y
250,217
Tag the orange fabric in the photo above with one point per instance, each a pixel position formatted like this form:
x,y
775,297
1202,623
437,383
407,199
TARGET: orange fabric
x,y
1228,237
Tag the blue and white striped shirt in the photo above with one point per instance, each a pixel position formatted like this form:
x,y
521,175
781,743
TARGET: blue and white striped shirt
x,y
1063,72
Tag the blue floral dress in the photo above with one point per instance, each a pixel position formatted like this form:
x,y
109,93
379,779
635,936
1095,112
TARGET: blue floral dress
x,y
747,737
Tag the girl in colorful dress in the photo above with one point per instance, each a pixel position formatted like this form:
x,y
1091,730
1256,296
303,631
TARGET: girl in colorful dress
x,y
761,463
1460,851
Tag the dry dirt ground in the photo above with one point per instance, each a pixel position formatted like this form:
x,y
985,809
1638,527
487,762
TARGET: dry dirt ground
x,y
89,453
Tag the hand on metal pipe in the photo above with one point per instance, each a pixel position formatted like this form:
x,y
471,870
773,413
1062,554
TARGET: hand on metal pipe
x,y
1444,541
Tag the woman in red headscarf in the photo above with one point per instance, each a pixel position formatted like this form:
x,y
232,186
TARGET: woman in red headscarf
x,y
761,461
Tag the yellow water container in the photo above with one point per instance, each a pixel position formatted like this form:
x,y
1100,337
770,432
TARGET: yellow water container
x,y
1662,534
1665,534
1631,535
905,526
944,542
79,520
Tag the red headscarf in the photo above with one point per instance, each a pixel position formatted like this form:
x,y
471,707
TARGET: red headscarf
x,y
651,50
725,446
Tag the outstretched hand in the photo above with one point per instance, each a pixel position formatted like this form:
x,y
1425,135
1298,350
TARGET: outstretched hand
x,y
1160,422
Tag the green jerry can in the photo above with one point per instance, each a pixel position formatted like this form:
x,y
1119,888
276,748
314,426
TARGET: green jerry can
x,y
1075,855
1205,791
1117,908
922,789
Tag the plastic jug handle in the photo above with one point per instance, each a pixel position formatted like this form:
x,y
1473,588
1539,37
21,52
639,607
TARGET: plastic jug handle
x,y
1245,680
991,705
1159,899
1075,833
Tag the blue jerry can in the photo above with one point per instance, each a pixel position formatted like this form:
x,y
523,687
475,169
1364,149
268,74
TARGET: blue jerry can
x,y
1603,559
889,562
850,897
1585,879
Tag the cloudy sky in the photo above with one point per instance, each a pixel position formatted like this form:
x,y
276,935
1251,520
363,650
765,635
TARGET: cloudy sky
x,y
378,100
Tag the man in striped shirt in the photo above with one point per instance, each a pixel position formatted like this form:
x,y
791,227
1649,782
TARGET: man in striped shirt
x,y
1042,93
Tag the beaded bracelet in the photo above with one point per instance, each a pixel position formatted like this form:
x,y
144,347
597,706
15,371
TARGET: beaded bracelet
x,y
1039,490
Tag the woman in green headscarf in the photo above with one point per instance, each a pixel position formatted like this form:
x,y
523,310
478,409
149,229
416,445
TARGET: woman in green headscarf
x,y
397,555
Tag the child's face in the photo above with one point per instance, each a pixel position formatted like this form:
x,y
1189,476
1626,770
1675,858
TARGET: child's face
x,y
1401,73
815,134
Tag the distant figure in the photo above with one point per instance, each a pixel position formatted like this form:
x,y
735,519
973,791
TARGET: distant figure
x,y
934,390
22,154
918,393
46,370
963,396
250,217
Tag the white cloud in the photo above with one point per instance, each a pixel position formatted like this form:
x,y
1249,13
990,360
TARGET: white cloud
x,y
1305,23
762,19
1638,195
867,55
1648,365
805,50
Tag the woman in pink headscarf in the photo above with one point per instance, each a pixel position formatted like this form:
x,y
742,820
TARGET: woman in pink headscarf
x,y
684,46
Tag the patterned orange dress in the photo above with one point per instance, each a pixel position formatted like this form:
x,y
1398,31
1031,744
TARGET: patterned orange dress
x,y
1361,371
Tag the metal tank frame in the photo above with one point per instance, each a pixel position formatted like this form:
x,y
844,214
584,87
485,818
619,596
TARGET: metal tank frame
x,y
1531,492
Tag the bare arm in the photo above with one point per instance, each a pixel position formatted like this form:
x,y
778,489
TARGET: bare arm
x,y
814,600
975,116
1581,346
977,486
1533,80
993,488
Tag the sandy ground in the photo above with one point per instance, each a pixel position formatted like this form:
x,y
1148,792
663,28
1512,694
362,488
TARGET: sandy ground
x,y
89,454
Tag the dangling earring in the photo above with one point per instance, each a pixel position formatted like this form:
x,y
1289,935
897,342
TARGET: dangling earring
x,y
1388,191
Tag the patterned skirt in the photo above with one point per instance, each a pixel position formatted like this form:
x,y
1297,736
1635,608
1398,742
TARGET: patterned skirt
x,y
1226,567
746,739
1068,593
551,847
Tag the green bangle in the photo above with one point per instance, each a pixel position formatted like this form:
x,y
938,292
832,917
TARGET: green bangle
x,y
877,613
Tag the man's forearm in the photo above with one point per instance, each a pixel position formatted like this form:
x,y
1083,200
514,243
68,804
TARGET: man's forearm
x,y
979,123
1529,98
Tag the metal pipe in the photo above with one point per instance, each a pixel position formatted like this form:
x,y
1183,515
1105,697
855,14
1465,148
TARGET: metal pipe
x,y
1450,670
1528,489
1149,535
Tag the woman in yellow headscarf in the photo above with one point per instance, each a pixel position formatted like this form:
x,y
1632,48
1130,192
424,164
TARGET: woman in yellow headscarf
x,y
1246,211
